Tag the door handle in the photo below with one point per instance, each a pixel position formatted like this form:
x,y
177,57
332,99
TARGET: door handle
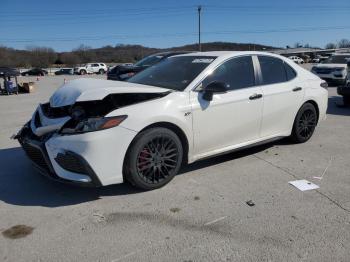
x,y
255,96
296,89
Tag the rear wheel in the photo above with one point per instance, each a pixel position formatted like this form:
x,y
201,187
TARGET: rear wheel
x,y
304,124
153,159
101,71
82,72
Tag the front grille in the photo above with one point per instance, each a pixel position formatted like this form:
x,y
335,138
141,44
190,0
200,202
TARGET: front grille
x,y
324,70
36,155
71,163
55,112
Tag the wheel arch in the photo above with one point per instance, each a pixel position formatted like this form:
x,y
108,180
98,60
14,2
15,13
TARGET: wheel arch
x,y
178,131
171,126
314,103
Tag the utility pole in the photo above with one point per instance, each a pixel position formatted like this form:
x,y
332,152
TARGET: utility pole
x,y
199,28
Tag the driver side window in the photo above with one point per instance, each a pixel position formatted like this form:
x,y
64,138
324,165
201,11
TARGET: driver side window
x,y
237,73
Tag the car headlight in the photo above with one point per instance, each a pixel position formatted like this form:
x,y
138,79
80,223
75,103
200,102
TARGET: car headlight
x,y
92,124
339,69
313,68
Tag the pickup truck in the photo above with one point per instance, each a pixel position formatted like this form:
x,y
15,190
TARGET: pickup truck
x,y
91,68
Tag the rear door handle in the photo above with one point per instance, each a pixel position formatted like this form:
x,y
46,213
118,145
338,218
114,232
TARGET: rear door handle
x,y
296,89
255,96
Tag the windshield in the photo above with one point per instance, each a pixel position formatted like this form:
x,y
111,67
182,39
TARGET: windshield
x,y
174,72
337,59
149,60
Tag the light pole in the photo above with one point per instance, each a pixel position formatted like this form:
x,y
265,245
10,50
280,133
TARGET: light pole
x,y
199,28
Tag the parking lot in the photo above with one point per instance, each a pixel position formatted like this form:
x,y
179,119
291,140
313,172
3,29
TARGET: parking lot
x,y
202,215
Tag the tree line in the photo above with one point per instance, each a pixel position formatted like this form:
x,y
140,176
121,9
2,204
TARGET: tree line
x,y
36,56
42,57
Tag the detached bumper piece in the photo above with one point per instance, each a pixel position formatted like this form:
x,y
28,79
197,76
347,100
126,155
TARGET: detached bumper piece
x,y
34,148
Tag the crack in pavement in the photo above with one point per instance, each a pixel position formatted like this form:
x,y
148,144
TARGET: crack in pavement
x,y
296,177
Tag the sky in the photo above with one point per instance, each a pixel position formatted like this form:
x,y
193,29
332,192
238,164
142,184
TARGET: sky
x,y
64,25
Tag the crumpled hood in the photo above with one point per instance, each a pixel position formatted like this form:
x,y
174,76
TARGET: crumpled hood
x,y
88,89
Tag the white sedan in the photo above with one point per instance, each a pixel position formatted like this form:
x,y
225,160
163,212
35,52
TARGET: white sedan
x,y
296,59
186,108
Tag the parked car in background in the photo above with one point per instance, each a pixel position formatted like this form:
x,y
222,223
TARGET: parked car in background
x,y
35,72
344,90
296,59
98,132
319,59
91,68
124,72
65,71
333,69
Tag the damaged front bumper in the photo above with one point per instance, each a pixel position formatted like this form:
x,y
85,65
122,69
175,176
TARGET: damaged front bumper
x,y
35,149
88,159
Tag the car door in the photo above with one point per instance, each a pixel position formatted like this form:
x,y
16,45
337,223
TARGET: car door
x,y
283,94
230,118
95,68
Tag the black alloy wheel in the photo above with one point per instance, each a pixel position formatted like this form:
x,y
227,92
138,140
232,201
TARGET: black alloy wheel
x,y
154,158
305,123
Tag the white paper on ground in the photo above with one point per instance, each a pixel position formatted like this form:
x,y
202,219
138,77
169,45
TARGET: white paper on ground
x,y
303,185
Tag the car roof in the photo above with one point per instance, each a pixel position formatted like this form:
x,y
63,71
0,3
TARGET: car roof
x,y
171,53
229,53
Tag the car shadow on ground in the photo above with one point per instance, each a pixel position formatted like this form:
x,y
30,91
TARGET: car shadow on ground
x,y
335,106
21,184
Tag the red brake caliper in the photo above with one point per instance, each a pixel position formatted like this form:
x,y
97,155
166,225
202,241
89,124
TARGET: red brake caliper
x,y
141,161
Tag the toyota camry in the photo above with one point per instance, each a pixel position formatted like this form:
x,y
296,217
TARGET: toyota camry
x,y
185,108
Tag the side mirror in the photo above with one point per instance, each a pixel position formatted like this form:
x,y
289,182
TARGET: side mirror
x,y
214,87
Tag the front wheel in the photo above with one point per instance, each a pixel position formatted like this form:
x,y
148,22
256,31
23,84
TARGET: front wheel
x,y
304,124
101,71
153,159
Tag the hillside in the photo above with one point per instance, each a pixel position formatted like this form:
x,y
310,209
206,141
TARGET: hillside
x,y
43,56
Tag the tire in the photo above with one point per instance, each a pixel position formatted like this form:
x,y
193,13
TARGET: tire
x,y
147,166
82,72
304,124
346,100
101,71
